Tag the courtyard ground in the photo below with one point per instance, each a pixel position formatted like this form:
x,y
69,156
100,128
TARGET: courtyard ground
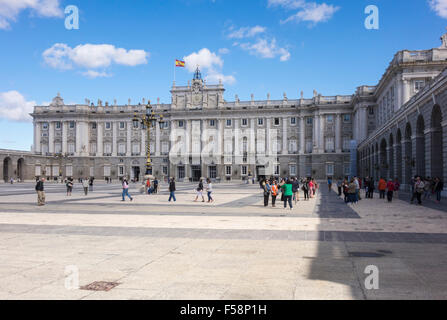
x,y
233,248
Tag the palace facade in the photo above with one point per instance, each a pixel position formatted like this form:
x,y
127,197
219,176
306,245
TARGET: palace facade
x,y
393,129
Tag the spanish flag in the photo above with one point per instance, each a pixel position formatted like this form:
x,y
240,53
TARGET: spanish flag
x,y
179,63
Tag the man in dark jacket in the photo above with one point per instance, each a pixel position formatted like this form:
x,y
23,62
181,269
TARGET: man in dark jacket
x,y
295,190
40,192
172,190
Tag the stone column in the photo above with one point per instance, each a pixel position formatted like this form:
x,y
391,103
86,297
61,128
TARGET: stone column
x,y
37,137
428,137
114,138
51,137
268,150
65,125
99,139
338,133
396,165
444,151
302,136
128,138
220,141
284,136
157,140
252,144
320,135
406,91
315,134
399,94
78,138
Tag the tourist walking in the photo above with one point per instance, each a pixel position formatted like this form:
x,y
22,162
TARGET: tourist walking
x,y
40,192
418,188
69,186
172,190
390,190
90,184
371,187
305,189
396,188
209,190
439,186
428,188
357,188
296,190
125,185
275,190
311,188
339,186
85,185
382,188
352,192
288,193
266,188
156,186
329,183
200,191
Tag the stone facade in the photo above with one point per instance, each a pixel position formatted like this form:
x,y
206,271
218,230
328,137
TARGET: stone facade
x,y
206,136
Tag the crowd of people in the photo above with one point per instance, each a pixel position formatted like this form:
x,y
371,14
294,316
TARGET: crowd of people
x,y
288,189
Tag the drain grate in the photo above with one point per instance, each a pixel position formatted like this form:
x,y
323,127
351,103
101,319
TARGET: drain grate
x,y
100,286
366,255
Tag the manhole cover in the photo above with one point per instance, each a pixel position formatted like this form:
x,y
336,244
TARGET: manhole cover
x,y
365,255
100,286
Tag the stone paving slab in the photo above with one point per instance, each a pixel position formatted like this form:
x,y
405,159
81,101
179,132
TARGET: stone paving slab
x,y
233,249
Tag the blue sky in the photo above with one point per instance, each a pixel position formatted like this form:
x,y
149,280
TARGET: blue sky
x,y
126,49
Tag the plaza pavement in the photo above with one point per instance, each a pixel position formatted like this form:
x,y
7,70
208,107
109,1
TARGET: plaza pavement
x,y
233,248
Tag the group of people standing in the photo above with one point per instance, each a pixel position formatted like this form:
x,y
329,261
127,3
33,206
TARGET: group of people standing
x,y
150,187
427,187
289,190
87,185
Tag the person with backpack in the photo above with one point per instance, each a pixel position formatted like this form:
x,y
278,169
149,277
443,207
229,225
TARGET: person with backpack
x,y
125,185
305,189
69,186
172,190
274,193
296,190
266,188
339,186
209,190
382,188
288,193
40,192
200,191
390,190
418,188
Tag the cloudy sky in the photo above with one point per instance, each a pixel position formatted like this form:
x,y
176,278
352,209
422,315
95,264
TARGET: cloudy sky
x,y
126,49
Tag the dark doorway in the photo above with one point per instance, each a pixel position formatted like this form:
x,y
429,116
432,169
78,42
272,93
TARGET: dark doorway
x,y
260,173
196,173
7,169
136,173
20,168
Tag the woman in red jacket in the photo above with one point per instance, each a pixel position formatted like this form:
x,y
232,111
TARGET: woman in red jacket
x,y
390,188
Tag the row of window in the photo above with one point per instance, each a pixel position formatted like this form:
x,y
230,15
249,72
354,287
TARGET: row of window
x,y
276,121
212,123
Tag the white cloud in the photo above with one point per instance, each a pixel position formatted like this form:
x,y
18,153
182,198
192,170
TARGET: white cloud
x,y
204,58
92,56
440,7
245,32
14,106
307,11
10,10
266,49
96,74
210,63
224,51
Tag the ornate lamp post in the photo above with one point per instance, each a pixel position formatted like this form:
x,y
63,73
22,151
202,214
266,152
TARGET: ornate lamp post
x,y
148,121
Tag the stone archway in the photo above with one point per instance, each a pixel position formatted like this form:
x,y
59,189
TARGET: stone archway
x,y
399,167
408,157
420,146
21,169
436,156
383,162
7,169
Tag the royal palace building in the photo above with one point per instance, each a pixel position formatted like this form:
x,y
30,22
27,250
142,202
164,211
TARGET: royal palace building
x,y
397,128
